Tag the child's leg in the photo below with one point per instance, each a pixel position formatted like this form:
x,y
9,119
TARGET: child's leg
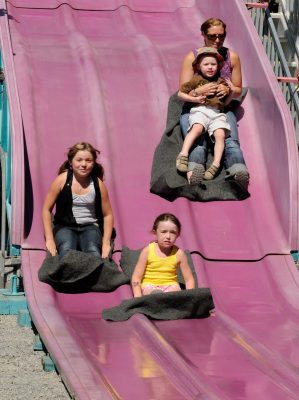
x,y
219,136
182,159
194,133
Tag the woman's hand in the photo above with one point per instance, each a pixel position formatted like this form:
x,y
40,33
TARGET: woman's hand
x,y
51,247
224,90
210,89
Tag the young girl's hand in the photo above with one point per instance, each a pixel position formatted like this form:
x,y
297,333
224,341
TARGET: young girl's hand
x,y
105,250
51,247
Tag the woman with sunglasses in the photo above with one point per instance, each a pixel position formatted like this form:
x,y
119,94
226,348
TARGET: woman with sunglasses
x,y
214,32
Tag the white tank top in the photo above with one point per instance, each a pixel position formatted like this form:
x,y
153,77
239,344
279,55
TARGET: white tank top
x,y
84,206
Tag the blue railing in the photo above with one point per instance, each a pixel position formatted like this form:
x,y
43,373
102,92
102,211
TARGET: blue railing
x,y
7,249
266,29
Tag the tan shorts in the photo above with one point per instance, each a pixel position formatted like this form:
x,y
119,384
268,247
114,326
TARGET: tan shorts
x,y
210,118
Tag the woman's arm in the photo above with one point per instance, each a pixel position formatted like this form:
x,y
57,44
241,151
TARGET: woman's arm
x,y
48,205
235,84
139,272
236,79
108,220
186,270
186,72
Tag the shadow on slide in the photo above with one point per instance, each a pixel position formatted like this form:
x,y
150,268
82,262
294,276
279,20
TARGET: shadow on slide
x,y
103,72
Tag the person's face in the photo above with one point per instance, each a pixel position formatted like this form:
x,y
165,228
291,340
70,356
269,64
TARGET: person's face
x,y
83,163
166,234
215,36
208,66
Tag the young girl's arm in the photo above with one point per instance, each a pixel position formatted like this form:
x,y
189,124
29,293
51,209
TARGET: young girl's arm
x,y
186,270
108,220
48,205
139,272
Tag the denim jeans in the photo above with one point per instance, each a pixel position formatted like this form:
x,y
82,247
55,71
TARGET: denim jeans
x,y
198,154
87,238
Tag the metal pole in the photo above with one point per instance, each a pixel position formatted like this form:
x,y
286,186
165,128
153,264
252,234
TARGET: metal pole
x,y
3,215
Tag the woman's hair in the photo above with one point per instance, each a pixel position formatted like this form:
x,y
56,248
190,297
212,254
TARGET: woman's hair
x,y
98,170
167,217
212,22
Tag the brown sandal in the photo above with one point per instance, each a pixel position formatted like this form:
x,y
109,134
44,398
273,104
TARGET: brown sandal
x,y
211,172
182,163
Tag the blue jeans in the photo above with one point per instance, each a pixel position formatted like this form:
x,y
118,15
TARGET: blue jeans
x,y
87,238
198,154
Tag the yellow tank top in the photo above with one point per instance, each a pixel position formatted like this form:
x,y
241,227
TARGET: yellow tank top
x,y
160,270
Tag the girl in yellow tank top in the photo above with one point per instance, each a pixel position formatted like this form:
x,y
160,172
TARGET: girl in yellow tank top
x,y
156,268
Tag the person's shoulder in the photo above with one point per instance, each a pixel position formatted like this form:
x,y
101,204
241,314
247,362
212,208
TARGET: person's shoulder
x,y
176,250
190,56
234,56
61,179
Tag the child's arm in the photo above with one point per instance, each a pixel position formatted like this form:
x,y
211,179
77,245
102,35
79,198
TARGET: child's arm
x,y
190,85
139,272
186,270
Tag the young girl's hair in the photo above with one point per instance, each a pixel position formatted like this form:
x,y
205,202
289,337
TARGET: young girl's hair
x,y
167,217
98,170
212,22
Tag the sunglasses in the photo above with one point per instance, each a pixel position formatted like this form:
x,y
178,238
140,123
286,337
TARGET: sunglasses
x,y
215,36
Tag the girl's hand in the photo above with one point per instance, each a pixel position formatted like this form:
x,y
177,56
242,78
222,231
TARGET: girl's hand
x,y
51,247
105,250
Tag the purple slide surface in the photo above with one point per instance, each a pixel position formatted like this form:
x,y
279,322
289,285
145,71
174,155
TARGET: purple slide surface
x,y
102,71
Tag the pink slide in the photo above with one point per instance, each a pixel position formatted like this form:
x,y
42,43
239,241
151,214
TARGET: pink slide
x,y
102,71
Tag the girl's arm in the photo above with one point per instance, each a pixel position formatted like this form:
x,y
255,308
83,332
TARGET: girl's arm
x,y
48,205
108,220
139,272
186,270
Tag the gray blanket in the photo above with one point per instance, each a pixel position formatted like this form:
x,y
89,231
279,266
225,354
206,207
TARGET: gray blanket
x,y
170,184
78,272
191,303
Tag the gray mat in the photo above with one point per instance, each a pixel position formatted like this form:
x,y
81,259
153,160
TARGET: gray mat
x,y
78,272
170,184
191,303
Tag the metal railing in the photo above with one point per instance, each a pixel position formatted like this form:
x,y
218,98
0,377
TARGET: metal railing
x,y
290,9
265,27
3,216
